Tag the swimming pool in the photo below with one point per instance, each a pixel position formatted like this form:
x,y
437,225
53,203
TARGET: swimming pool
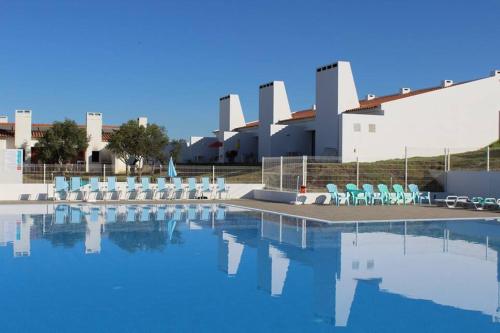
x,y
199,268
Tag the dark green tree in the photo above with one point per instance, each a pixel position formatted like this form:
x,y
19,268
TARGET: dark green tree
x,y
135,144
62,143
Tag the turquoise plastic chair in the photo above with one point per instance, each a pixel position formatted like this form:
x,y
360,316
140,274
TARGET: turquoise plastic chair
x,y
401,195
221,188
336,196
387,197
371,195
355,194
206,187
192,189
178,190
60,187
145,187
161,188
75,186
419,197
112,188
94,187
131,188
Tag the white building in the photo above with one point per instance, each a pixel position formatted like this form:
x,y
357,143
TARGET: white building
x,y
23,134
448,115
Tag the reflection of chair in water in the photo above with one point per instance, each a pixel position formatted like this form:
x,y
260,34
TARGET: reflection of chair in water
x,y
177,215
76,215
160,213
145,214
131,213
94,214
60,214
221,213
205,213
111,215
191,213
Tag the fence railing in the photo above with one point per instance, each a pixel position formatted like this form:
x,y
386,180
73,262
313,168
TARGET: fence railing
x,y
422,166
45,173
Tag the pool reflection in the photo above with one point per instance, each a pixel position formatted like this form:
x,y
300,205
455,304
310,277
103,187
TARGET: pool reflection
x,y
449,263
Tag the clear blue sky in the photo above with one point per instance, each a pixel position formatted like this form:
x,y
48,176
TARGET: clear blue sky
x,y
171,61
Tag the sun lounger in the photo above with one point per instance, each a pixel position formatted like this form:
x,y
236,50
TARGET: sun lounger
x,y
402,197
419,197
336,196
131,188
355,194
178,191
94,188
161,188
111,189
221,188
75,187
146,188
371,195
387,197
206,187
60,188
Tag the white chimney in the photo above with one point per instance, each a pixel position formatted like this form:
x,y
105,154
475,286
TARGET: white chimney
x,y
446,83
94,129
143,121
313,107
230,113
369,97
495,72
404,91
4,119
22,136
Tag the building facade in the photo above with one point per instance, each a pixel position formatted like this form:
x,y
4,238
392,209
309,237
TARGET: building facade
x,y
449,115
23,134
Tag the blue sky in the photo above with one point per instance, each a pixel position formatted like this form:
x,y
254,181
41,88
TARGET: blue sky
x,y
171,61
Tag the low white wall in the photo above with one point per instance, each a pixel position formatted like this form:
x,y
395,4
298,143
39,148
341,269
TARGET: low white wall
x,y
34,192
288,197
473,183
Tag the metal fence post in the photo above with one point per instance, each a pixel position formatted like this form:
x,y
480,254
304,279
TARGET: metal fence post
x,y
357,171
44,174
104,172
449,160
488,158
406,168
304,170
262,170
281,173
445,161
213,174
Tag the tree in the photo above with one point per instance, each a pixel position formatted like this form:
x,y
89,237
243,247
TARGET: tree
x,y
135,144
175,148
62,143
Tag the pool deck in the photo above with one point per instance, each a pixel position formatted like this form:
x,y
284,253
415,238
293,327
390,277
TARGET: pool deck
x,y
324,212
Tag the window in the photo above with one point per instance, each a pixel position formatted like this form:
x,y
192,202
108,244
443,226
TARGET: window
x,y
372,128
95,157
357,127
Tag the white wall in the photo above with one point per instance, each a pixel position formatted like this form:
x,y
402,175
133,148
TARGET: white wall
x,y
463,116
34,192
335,93
273,107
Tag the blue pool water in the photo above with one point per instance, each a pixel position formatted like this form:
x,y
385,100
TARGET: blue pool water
x,y
190,268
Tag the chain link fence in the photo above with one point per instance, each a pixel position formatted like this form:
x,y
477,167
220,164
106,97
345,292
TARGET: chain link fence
x,y
45,173
422,166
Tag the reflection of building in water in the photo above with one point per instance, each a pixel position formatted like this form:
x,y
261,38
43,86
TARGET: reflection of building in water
x,y
16,229
230,252
93,231
458,272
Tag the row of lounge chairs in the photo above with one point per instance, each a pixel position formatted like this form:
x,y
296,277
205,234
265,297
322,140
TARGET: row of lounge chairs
x,y
76,188
367,195
477,203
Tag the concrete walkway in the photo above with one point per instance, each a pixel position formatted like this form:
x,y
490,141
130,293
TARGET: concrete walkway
x,y
320,212
367,213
